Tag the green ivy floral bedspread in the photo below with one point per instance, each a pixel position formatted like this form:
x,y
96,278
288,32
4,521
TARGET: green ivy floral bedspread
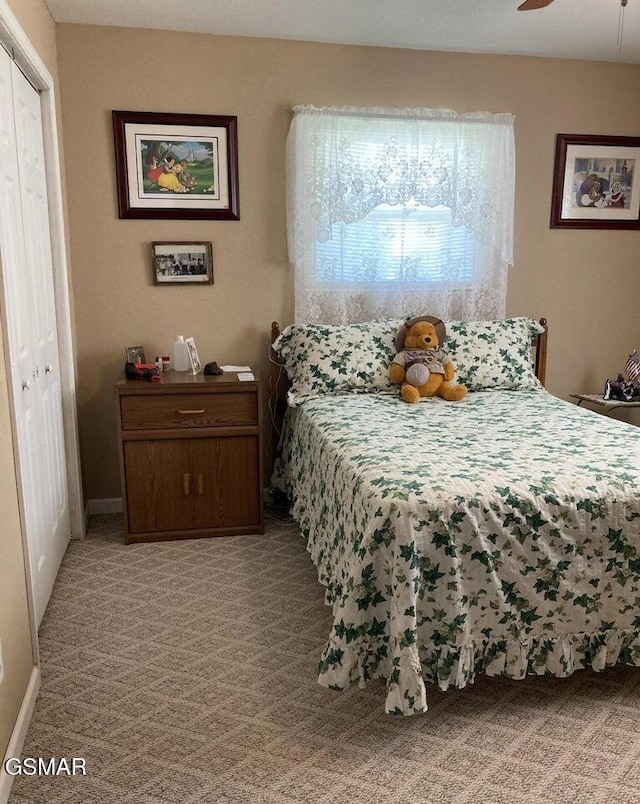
x,y
497,535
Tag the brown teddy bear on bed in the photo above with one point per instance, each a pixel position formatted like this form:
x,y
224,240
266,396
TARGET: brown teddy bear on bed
x,y
421,366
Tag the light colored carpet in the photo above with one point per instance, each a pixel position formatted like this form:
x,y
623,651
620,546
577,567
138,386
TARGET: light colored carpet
x,y
185,673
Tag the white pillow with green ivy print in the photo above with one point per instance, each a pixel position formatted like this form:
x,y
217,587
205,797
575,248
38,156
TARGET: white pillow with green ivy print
x,y
333,359
493,354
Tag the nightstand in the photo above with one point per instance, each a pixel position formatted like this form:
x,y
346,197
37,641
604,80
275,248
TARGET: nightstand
x,y
606,405
190,456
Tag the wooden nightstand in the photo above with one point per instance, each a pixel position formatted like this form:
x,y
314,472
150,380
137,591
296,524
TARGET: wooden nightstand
x,y
190,456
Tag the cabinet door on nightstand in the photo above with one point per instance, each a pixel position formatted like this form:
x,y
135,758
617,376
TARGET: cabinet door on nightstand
x,y
226,481
159,485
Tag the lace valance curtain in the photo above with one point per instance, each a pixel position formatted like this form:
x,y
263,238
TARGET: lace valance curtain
x,y
384,170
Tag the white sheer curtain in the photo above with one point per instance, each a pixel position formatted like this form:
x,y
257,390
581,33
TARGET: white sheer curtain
x,y
394,212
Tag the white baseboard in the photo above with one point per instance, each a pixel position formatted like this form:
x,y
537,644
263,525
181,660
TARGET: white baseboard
x,y
14,749
105,505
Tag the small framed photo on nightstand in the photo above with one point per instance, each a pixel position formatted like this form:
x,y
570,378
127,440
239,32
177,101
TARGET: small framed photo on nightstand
x,y
135,354
192,352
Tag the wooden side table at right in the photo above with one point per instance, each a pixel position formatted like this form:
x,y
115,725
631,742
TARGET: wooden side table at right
x,y
605,405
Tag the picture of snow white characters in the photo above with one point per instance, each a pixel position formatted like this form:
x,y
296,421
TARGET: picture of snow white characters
x,y
176,166
179,166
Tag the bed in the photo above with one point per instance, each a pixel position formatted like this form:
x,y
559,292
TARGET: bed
x,y
496,535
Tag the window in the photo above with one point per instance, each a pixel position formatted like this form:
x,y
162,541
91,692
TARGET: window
x,y
410,244
399,212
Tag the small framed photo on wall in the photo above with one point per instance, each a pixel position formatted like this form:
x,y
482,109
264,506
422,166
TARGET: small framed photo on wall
x,y
182,263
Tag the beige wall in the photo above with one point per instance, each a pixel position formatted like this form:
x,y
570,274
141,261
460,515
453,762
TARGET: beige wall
x,y
36,22
587,283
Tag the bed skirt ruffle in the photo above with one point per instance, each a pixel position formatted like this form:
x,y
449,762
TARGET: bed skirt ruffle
x,y
342,666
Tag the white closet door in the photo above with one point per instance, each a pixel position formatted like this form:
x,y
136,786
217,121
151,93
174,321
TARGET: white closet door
x,y
25,246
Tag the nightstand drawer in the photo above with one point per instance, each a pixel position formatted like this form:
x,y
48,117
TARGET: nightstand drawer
x,y
188,410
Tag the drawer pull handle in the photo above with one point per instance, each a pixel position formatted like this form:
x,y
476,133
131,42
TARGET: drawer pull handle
x,y
201,410
200,484
186,484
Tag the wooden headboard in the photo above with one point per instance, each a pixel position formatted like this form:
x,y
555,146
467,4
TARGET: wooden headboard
x,y
539,346
278,386
279,382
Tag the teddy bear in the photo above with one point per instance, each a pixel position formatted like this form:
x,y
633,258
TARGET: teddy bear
x,y
421,366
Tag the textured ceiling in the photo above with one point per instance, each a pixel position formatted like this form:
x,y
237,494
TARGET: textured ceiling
x,y
568,29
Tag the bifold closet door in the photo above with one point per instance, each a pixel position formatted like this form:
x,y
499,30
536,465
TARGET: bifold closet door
x,y
25,251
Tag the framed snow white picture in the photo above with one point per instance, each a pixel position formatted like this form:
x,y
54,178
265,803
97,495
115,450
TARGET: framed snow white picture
x,y
596,182
176,166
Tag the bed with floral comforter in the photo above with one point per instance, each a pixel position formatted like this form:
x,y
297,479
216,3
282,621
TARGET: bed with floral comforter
x,y
498,535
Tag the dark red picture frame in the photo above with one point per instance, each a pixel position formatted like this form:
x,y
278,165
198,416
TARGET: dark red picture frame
x,y
604,157
220,204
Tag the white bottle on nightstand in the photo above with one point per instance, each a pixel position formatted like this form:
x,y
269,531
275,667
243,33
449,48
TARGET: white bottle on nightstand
x,y
180,357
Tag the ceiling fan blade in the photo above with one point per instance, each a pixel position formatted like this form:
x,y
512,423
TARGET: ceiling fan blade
x,y
532,5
